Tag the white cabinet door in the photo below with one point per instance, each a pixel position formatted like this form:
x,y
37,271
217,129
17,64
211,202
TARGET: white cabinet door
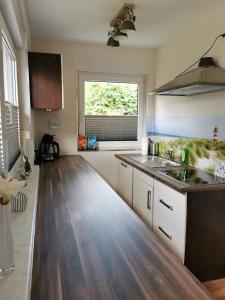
x,y
169,217
125,178
143,196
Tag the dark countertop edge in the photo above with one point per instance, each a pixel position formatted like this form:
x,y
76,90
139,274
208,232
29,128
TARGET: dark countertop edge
x,y
178,186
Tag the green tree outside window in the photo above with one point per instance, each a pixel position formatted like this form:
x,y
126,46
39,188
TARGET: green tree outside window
x,y
109,98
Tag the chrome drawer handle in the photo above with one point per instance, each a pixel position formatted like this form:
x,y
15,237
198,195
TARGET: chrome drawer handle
x,y
122,164
149,200
165,233
165,204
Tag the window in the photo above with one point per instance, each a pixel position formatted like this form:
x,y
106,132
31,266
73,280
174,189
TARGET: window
x,y
9,131
9,72
111,109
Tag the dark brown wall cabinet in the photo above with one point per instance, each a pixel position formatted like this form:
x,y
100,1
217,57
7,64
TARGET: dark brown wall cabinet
x,y
45,80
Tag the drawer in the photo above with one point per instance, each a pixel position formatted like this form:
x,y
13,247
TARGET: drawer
x,y
144,177
171,240
166,190
169,202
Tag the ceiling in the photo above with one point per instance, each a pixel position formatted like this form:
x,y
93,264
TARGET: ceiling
x,y
88,20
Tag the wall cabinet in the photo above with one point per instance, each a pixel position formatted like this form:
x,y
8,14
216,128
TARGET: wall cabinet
x,y
45,80
125,181
143,196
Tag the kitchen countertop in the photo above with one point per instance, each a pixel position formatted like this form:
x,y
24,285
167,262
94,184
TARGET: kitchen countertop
x,y
90,245
179,186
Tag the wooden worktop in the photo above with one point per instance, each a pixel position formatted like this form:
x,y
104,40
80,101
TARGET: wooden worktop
x,y
90,245
179,186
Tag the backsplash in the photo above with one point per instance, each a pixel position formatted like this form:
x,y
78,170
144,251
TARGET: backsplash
x,y
194,132
203,153
189,127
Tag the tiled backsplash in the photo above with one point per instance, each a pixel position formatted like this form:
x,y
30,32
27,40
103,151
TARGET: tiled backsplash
x,y
203,153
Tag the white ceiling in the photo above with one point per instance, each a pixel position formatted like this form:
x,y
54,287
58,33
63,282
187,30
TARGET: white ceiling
x,y
88,20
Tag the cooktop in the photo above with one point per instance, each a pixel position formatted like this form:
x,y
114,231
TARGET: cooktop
x,y
193,176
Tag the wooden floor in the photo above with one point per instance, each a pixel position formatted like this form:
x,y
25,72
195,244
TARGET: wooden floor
x,y
216,288
89,245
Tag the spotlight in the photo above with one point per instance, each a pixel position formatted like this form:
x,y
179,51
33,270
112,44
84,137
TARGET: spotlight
x,y
112,43
128,22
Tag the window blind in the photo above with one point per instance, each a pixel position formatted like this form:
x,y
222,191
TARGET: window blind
x,y
1,149
10,130
112,128
11,135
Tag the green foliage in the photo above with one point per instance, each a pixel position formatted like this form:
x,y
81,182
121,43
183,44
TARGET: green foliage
x,y
107,98
221,150
198,148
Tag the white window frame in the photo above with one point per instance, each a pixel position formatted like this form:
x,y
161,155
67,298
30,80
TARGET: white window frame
x,y
5,40
116,78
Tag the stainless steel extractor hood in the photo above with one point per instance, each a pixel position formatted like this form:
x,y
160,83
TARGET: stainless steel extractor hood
x,y
207,78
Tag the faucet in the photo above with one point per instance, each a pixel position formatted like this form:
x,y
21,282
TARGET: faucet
x,y
170,154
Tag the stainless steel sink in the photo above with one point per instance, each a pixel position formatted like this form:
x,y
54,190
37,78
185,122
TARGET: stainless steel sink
x,y
154,161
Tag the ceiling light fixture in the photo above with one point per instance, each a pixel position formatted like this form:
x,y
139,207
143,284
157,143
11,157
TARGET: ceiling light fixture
x,y
122,23
112,43
128,22
119,35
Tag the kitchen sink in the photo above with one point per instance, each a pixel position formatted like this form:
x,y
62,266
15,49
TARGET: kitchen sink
x,y
155,161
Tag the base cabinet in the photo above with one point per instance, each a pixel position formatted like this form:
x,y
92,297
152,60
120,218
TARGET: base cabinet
x,y
143,196
191,225
169,217
125,181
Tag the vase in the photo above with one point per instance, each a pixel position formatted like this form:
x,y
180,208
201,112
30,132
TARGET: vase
x,y
18,202
7,263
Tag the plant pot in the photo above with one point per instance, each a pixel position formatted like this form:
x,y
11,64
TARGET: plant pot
x,y
7,263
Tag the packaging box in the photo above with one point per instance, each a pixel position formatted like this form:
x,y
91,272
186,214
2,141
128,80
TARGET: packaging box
x,y
92,142
82,142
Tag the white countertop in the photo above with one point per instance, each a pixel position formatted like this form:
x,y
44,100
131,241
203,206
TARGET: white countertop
x,y
16,286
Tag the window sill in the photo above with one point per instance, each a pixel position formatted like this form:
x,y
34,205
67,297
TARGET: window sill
x,y
109,149
115,146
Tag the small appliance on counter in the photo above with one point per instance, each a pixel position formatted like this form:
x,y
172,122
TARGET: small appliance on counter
x,y
48,149
153,148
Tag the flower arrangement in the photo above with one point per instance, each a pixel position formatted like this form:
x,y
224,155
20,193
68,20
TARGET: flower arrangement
x,y
8,186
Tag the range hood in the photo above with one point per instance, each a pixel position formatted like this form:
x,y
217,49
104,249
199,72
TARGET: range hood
x,y
207,78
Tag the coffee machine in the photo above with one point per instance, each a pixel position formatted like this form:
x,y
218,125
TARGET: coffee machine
x,y
48,149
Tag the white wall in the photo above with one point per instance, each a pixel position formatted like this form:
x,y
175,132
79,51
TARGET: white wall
x,y
176,56
94,58
86,57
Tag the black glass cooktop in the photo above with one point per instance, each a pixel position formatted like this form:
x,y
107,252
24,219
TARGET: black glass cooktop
x,y
192,176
